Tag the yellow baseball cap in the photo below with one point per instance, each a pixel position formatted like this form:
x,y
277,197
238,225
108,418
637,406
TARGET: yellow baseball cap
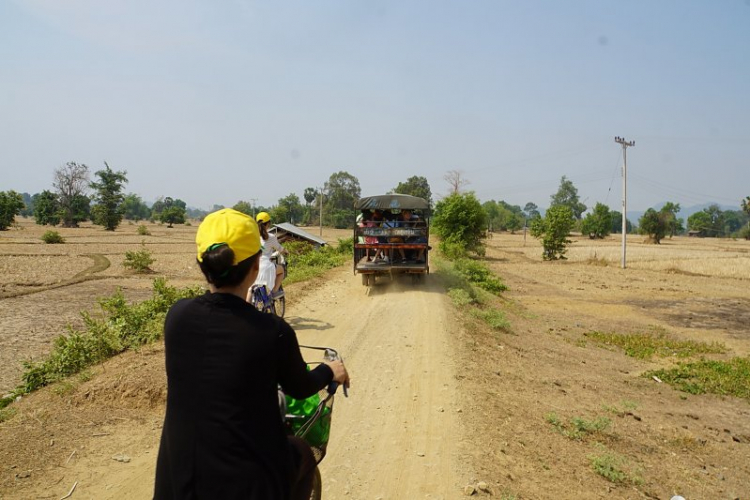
x,y
227,226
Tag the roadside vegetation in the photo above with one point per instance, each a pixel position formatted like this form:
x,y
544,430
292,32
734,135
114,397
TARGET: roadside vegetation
x,y
306,262
615,467
578,428
118,327
659,343
726,378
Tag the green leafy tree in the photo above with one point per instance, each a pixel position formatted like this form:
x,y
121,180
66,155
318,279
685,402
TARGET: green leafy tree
x,y
341,191
72,182
493,215
289,209
531,210
617,223
701,222
597,224
567,195
553,230
134,208
708,222
244,207
460,221
674,225
46,208
28,201
11,204
172,213
745,204
655,224
310,195
415,186
108,197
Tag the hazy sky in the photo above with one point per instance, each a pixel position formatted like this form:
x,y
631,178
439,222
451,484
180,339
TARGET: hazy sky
x,y
215,102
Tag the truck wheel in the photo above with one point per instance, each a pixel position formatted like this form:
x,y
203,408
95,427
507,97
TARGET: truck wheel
x,y
366,279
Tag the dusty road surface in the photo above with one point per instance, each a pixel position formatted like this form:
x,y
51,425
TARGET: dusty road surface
x,y
395,437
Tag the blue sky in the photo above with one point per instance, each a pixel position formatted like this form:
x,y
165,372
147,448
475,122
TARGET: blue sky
x,y
215,102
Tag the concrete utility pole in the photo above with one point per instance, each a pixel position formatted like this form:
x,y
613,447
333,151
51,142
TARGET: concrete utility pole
x,y
252,203
625,144
320,191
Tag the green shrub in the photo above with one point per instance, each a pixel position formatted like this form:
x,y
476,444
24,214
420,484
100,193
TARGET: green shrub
x,y
143,230
578,428
478,273
614,467
305,261
646,345
139,261
120,327
52,237
728,378
495,318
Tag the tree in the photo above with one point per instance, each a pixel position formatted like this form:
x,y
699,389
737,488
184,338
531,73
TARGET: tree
x,y
11,204
701,222
655,224
554,229
460,221
71,183
567,195
709,221
455,180
617,223
46,208
244,207
134,208
674,225
289,209
597,224
171,213
108,195
28,201
745,204
310,194
531,210
341,191
415,186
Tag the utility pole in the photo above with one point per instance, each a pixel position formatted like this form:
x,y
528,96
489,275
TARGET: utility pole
x,y
320,191
252,203
625,144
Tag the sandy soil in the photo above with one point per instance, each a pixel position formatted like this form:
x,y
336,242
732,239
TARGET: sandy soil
x,y
438,401
388,437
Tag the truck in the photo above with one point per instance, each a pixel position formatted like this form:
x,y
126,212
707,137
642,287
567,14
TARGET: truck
x,y
391,237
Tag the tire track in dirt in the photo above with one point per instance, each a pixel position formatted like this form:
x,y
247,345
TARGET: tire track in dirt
x,y
101,263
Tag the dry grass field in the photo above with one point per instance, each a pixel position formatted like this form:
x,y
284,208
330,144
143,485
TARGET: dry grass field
x,y
44,287
547,410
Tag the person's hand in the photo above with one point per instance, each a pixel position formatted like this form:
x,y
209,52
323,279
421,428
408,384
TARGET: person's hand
x,y
340,374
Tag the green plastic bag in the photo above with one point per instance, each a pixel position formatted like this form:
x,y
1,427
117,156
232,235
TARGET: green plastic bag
x,y
317,434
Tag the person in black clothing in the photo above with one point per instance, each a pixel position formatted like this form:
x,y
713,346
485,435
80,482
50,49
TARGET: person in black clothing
x,y
223,437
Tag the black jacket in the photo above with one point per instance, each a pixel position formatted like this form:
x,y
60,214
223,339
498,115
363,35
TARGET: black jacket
x,y
223,437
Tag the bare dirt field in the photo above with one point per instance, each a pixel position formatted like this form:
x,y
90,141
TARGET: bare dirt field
x,y
438,402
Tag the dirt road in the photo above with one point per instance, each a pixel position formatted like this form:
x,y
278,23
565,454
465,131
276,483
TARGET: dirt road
x,y
395,436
